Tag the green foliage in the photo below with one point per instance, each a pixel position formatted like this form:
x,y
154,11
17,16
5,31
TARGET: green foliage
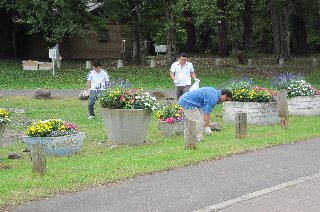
x,y
57,20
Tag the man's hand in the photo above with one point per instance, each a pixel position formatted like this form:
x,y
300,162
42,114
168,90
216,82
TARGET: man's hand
x,y
207,131
86,92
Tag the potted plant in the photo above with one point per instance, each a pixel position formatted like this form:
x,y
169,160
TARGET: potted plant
x,y
60,137
170,119
4,120
126,112
259,103
303,98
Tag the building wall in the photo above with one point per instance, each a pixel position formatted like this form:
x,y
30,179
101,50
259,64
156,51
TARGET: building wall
x,y
81,47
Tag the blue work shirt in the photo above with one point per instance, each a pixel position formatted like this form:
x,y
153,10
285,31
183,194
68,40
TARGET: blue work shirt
x,y
203,98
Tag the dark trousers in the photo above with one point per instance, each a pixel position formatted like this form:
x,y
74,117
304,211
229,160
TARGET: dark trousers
x,y
181,90
91,101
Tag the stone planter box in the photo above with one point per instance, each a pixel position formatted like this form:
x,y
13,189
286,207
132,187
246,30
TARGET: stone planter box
x,y
57,146
304,105
2,129
175,128
126,126
258,113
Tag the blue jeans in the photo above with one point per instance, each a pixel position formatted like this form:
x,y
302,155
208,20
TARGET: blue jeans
x,y
91,101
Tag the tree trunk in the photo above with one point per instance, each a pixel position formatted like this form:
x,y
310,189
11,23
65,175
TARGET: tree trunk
x,y
137,48
247,25
280,28
191,32
222,34
6,35
171,33
299,35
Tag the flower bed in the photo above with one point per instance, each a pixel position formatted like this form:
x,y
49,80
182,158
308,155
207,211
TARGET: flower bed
x,y
302,96
59,137
4,117
170,119
258,113
256,101
304,105
126,112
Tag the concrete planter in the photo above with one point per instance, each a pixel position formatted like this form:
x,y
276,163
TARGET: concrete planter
x,y
304,105
57,146
258,113
2,129
126,126
175,128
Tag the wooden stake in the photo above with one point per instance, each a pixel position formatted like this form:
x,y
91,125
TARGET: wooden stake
x,y
241,125
282,107
190,135
38,156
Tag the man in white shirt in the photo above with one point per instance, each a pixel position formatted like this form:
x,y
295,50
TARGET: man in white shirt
x,y
181,72
97,80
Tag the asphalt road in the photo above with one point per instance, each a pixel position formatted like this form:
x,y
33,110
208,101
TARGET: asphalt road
x,y
282,178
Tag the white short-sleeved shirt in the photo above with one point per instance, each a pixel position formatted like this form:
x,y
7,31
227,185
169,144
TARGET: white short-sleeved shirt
x,y
98,80
182,73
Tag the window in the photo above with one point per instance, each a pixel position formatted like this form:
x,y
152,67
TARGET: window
x,y
103,36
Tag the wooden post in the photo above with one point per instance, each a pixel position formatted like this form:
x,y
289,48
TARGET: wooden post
x,y
241,125
190,136
282,107
38,156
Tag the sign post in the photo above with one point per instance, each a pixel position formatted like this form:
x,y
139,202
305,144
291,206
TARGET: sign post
x,y
53,56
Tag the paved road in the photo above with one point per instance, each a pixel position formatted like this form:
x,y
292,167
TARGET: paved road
x,y
68,92
283,178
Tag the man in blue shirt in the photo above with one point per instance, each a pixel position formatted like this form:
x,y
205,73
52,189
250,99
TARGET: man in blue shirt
x,y
199,103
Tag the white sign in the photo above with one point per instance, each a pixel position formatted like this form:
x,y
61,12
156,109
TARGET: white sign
x,y
52,53
160,48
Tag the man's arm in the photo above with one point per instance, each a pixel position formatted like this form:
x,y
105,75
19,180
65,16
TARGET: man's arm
x,y
88,85
193,75
172,75
206,120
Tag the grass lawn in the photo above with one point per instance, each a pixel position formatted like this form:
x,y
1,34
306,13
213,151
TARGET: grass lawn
x,y
99,162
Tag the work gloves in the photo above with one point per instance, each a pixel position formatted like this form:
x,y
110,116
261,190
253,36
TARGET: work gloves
x,y
207,131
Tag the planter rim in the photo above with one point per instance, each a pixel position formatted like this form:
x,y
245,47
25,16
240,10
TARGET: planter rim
x,y
120,109
172,122
26,136
252,102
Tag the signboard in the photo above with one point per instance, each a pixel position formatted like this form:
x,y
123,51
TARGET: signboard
x,y
52,53
160,48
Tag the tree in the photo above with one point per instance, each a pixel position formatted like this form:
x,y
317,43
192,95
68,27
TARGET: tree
x,y
56,19
247,25
280,27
